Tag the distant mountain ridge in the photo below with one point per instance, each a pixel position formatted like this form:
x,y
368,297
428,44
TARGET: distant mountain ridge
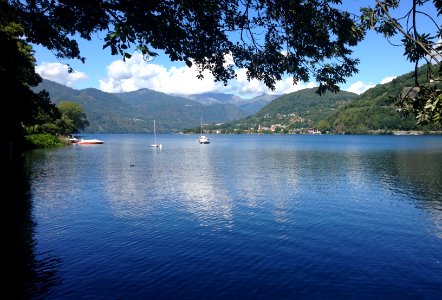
x,y
250,106
308,104
373,112
301,109
342,112
133,112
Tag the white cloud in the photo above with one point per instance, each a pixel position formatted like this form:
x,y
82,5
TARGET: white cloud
x,y
59,73
388,79
436,53
286,86
359,87
136,73
254,87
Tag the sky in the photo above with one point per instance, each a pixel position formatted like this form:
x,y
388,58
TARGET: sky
x,y
380,62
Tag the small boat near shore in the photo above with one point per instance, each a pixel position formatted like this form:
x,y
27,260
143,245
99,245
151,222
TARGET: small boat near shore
x,y
203,139
155,145
73,140
90,142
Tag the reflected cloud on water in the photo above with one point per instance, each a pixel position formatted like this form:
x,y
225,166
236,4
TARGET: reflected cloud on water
x,y
200,181
158,179
134,182
139,181
136,204
201,189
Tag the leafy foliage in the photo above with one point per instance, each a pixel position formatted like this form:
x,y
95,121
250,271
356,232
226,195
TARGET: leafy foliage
x,y
425,102
45,140
19,106
74,114
423,99
270,39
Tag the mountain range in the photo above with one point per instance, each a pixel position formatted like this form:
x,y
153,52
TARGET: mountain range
x,y
342,112
292,112
134,112
372,112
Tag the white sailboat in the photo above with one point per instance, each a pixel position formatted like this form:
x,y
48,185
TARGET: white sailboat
x,y
155,137
203,139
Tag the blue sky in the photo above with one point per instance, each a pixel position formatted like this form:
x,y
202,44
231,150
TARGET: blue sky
x,y
380,62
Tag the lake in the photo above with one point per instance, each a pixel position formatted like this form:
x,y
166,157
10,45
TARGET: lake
x,y
244,217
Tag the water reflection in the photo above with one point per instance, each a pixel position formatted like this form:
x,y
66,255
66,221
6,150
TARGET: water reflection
x,y
278,214
415,175
202,189
280,178
134,177
127,190
27,272
47,168
143,180
247,180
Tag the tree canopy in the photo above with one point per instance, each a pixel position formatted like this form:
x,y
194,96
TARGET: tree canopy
x,y
75,114
424,98
268,38
303,39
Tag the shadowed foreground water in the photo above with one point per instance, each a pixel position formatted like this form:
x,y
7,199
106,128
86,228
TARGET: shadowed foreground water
x,y
245,217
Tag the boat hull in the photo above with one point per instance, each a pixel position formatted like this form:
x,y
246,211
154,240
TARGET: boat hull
x,y
90,142
203,140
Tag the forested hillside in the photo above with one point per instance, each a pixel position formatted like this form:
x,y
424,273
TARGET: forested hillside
x,y
174,111
133,112
301,109
342,112
250,106
307,104
106,113
375,109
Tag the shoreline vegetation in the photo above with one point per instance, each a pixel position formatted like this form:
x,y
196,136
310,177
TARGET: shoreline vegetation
x,y
45,140
416,132
41,141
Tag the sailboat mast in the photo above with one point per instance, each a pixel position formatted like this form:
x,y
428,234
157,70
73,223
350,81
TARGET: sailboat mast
x,y
155,136
201,125
154,132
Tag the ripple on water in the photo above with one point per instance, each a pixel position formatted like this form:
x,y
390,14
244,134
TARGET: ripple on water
x,y
291,217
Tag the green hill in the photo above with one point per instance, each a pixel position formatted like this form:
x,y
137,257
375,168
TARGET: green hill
x,y
177,112
307,104
374,110
301,109
105,112
342,112
133,112
249,106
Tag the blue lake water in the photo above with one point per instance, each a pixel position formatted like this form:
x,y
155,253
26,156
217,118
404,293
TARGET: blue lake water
x,y
245,217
